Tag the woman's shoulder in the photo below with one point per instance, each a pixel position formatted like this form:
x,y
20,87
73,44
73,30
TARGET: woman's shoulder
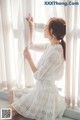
x,y
59,48
56,48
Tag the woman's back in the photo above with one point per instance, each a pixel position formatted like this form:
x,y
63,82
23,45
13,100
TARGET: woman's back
x,y
50,66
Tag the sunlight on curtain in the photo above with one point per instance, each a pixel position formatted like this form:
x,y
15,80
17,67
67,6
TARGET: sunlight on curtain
x,y
78,59
14,38
73,56
7,59
2,57
21,32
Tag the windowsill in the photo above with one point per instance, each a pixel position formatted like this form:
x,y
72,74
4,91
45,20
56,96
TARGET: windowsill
x,y
72,113
69,112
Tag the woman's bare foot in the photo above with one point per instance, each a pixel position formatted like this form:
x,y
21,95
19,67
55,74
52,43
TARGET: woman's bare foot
x,y
14,112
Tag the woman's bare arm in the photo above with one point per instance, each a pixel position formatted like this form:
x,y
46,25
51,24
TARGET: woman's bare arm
x,y
27,55
30,21
32,65
36,47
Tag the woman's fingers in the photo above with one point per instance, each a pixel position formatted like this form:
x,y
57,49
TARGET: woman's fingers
x,y
30,19
25,51
27,54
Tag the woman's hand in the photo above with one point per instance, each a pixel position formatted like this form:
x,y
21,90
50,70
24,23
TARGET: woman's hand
x,y
27,54
30,20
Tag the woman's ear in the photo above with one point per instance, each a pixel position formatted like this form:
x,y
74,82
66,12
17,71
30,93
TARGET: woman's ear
x,y
51,33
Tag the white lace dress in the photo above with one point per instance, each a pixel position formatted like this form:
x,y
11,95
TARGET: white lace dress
x,y
44,102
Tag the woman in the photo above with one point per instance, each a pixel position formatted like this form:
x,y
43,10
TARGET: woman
x,y
44,101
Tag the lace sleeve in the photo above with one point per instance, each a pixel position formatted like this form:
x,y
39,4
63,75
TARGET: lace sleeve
x,y
52,61
39,47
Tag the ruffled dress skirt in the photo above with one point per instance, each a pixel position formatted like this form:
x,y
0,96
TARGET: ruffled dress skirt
x,y
43,102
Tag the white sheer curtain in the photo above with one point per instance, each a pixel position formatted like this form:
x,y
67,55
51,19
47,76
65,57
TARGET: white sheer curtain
x,y
13,39
73,56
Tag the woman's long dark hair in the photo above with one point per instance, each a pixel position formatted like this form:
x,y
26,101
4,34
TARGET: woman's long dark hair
x,y
64,48
57,27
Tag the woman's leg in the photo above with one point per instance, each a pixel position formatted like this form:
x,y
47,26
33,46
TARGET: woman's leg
x,y
10,94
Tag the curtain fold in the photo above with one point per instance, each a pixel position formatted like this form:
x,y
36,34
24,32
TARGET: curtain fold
x,y
7,39
68,53
78,67
72,56
78,99
14,36
2,58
